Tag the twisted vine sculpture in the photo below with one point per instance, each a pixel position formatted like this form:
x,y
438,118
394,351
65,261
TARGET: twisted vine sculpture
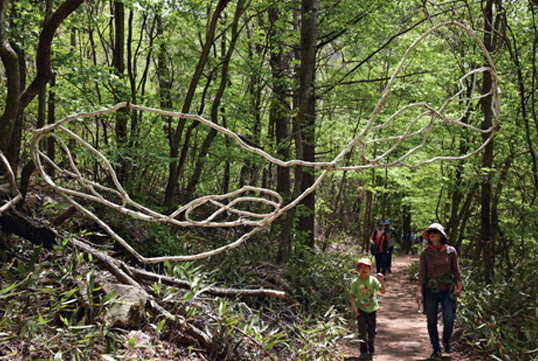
x,y
92,191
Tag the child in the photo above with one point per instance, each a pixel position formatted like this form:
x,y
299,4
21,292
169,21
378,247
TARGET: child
x,y
363,289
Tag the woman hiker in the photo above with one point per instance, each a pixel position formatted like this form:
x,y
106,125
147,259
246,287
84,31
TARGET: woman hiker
x,y
439,282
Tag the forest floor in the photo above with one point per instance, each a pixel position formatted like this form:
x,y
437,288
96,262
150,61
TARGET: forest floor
x,y
401,331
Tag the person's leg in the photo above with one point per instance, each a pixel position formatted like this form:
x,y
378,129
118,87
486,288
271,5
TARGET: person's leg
x,y
372,330
448,319
431,303
378,262
382,263
362,322
389,259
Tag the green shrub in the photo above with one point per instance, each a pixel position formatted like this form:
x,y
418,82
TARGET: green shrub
x,y
501,319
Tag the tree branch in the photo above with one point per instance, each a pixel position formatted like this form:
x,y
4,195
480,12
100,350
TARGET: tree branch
x,y
43,61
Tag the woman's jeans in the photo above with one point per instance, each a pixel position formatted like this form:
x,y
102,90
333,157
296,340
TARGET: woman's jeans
x,y
431,303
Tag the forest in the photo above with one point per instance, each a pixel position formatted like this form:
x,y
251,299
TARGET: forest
x,y
226,162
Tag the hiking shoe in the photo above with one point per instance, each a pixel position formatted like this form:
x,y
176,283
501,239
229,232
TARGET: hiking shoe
x,y
436,355
371,347
448,349
364,355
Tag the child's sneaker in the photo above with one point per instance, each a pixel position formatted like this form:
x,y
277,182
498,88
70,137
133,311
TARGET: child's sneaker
x,y
371,347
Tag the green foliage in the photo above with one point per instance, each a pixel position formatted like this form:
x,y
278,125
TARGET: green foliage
x,y
501,319
53,307
321,280
317,338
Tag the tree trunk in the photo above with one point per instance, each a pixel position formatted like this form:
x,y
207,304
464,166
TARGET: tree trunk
x,y
306,117
406,229
16,101
189,193
278,111
486,236
174,168
368,216
10,59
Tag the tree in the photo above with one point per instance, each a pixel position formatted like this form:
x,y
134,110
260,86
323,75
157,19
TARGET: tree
x,y
18,99
176,164
306,115
486,236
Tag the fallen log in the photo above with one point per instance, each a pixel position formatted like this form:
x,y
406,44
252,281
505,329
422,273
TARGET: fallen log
x,y
14,222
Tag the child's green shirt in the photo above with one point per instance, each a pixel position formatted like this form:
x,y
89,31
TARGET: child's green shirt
x,y
364,291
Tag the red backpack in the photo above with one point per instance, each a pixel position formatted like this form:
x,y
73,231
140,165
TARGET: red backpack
x,y
378,245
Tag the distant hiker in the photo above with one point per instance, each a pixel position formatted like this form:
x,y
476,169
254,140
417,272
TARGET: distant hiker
x,y
407,241
379,247
392,240
364,304
439,282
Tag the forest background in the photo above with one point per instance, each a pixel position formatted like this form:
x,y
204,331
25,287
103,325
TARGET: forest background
x,y
298,79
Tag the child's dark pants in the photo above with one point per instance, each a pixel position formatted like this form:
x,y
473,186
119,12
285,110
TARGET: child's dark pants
x,y
367,328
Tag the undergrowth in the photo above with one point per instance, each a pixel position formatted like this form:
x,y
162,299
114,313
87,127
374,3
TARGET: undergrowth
x,y
52,307
501,319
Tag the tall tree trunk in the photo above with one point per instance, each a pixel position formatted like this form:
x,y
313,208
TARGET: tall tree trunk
x,y
51,119
278,111
174,168
486,235
29,168
289,222
164,79
456,196
306,116
463,215
368,215
10,59
406,229
227,54
118,63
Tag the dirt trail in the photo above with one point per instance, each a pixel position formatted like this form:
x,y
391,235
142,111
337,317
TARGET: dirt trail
x,y
401,331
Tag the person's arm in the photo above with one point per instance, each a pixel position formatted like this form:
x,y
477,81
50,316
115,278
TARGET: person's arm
x,y
421,277
382,281
353,305
457,276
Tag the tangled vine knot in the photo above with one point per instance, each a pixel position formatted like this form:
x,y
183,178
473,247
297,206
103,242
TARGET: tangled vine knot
x,y
419,127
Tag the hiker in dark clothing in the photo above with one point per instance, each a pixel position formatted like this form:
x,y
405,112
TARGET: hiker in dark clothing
x,y
439,282
379,247
392,238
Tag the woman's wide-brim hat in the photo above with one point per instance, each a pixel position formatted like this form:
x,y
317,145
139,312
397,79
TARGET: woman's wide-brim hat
x,y
438,227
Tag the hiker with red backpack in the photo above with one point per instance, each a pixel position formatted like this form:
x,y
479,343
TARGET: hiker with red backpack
x,y
379,247
439,282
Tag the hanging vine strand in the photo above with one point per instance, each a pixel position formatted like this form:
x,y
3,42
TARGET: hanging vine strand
x,y
227,203
11,185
